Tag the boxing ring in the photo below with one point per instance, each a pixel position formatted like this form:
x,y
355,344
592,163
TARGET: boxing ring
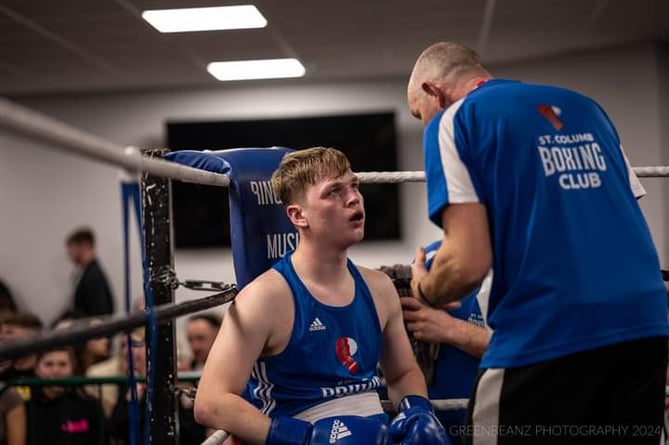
x,y
159,275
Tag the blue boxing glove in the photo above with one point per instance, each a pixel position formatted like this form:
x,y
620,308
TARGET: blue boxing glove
x,y
417,424
350,430
340,430
288,431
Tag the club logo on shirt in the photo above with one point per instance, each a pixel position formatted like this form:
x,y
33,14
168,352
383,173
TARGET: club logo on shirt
x,y
551,114
576,158
345,349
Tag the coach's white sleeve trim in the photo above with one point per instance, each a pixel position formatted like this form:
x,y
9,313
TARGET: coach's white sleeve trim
x,y
635,184
459,184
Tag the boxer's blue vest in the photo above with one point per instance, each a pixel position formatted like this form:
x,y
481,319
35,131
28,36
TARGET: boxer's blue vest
x,y
332,352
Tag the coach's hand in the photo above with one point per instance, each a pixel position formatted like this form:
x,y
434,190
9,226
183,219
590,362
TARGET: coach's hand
x,y
417,424
425,323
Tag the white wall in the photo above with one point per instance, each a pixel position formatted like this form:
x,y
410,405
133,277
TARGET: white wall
x,y
45,193
663,75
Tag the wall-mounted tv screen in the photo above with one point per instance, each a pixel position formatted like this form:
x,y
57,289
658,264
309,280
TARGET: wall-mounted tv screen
x,y
201,213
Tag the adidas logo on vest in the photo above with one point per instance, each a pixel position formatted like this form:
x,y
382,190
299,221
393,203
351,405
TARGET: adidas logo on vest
x,y
316,325
338,431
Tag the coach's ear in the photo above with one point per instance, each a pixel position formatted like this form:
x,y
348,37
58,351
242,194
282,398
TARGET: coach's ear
x,y
433,90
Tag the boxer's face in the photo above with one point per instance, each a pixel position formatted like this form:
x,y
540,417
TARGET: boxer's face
x,y
334,209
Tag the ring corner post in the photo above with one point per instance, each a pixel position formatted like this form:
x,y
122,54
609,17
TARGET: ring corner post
x,y
159,264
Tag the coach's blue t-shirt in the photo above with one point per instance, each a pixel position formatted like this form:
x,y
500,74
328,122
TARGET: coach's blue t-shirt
x,y
575,266
332,352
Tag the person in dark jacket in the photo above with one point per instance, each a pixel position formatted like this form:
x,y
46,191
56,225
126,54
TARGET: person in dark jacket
x,y
92,293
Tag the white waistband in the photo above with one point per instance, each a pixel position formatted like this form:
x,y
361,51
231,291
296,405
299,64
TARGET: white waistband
x,y
363,404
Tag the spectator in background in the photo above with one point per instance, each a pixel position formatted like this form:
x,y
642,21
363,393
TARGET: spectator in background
x,y
12,417
12,407
114,366
89,352
92,351
7,303
92,293
118,423
18,327
59,414
201,331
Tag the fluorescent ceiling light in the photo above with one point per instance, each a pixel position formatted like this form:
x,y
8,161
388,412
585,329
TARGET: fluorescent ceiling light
x,y
256,69
205,19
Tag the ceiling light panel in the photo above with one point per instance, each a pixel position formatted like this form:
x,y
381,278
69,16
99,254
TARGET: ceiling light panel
x,y
205,19
256,69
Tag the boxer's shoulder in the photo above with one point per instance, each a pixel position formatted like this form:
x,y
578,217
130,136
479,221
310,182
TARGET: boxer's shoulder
x,y
269,293
376,280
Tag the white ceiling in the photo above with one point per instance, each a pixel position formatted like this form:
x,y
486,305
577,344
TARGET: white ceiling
x,y
50,46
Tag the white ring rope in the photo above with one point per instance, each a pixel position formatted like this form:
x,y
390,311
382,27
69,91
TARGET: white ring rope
x,y
652,172
419,176
390,177
217,438
449,404
33,124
